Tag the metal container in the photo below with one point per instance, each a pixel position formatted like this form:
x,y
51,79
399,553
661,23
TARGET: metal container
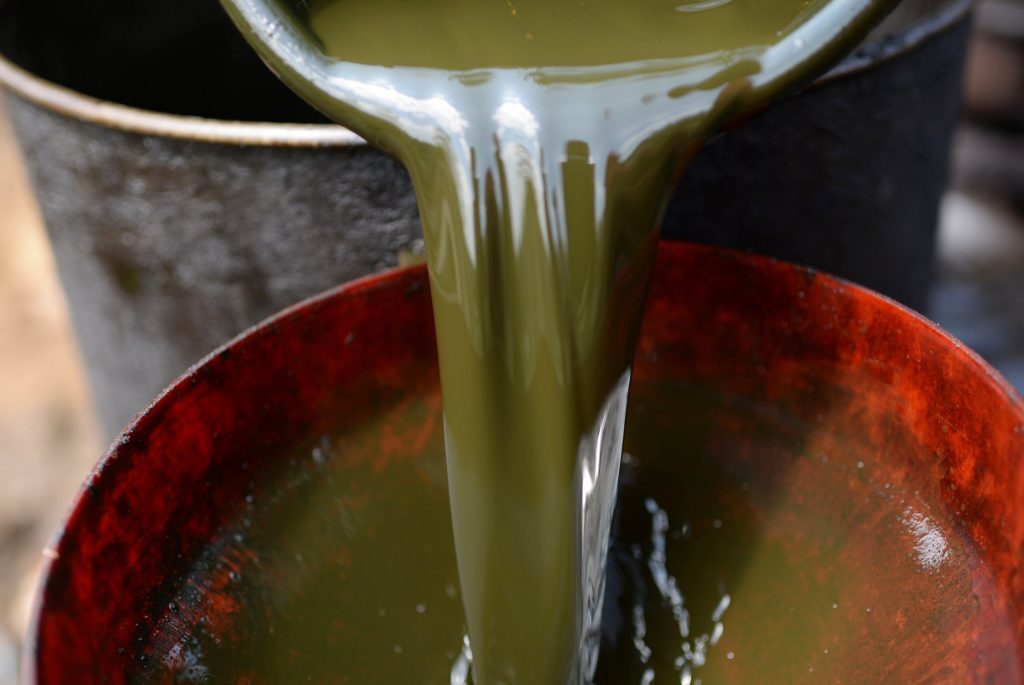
x,y
846,177
175,225
174,554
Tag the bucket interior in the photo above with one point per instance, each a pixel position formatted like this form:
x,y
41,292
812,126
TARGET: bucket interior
x,y
175,56
842,470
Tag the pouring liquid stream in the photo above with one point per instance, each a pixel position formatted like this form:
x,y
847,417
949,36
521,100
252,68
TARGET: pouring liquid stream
x,y
542,137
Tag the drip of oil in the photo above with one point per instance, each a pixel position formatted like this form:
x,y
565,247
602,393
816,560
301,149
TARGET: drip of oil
x,y
542,137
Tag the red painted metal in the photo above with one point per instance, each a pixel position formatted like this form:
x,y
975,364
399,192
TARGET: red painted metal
x,y
749,325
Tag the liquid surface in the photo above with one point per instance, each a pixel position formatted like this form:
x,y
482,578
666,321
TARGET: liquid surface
x,y
741,553
542,138
470,35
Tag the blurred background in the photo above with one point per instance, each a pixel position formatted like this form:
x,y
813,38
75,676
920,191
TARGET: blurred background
x,y
50,435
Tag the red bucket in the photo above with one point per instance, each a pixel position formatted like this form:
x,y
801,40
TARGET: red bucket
x,y
147,556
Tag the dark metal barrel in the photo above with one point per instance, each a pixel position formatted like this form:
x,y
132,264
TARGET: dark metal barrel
x,y
188,195
848,176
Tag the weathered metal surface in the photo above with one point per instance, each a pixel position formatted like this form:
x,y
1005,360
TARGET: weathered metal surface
x,y
166,248
130,577
173,233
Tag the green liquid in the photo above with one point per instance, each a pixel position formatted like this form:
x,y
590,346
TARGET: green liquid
x,y
542,138
471,35
737,557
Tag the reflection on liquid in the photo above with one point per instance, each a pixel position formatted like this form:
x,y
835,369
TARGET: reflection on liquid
x,y
930,547
702,6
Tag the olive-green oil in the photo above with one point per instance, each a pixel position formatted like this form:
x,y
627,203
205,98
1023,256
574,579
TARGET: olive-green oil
x,y
739,555
542,137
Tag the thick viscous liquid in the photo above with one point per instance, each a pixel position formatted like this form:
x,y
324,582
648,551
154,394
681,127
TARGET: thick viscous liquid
x,y
542,137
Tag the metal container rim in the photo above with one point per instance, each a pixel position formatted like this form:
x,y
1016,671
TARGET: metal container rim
x,y
75,105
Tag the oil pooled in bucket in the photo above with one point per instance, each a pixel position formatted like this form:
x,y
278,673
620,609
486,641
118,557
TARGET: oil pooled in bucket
x,y
542,137
737,557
